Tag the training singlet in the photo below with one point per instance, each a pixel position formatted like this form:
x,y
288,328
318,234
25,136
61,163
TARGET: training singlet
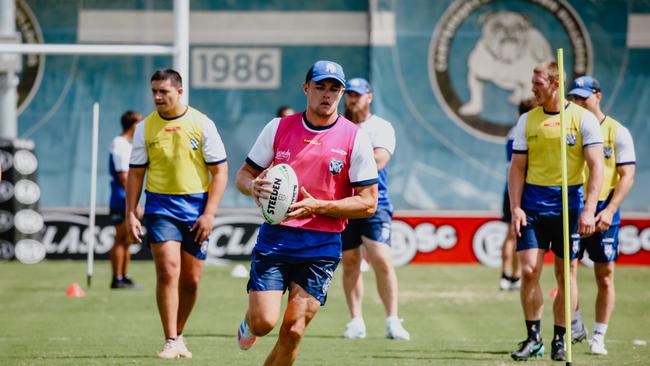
x,y
329,161
176,153
537,134
618,149
382,136
118,162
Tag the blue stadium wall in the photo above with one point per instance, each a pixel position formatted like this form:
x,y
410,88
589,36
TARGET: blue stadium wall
x,y
417,54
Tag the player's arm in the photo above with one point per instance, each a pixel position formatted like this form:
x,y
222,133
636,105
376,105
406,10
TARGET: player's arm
x,y
517,174
626,168
218,182
214,156
592,139
250,181
135,178
362,204
604,217
250,177
133,190
384,144
587,220
382,156
121,177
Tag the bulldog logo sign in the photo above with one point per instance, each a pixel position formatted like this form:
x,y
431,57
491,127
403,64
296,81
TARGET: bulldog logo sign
x,y
483,53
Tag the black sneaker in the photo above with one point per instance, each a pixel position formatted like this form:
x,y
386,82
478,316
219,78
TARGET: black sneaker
x,y
128,282
578,333
125,282
558,351
530,348
117,283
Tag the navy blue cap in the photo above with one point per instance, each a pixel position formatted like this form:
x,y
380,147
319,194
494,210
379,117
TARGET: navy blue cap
x,y
358,85
584,86
322,70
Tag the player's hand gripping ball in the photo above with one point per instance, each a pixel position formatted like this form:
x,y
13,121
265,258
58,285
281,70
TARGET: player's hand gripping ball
x,y
284,186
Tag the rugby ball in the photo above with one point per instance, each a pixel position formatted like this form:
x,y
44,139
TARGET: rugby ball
x,y
284,184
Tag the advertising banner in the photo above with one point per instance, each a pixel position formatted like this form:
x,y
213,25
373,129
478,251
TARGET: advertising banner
x,y
476,239
473,238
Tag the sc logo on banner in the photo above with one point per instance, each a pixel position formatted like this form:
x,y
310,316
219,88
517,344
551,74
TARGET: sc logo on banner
x,y
407,241
488,241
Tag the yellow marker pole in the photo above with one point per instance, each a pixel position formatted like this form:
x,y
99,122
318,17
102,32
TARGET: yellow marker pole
x,y
565,211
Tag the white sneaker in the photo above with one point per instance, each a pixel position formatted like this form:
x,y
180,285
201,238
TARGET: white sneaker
x,y
597,346
170,350
245,339
364,266
356,329
182,347
515,285
395,330
504,284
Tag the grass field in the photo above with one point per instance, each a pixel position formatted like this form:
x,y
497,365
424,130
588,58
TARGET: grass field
x,y
455,314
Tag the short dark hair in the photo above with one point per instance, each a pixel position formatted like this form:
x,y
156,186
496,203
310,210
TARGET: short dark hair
x,y
281,110
168,74
129,118
526,105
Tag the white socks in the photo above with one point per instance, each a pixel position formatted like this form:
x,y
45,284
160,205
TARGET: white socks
x,y
391,319
599,330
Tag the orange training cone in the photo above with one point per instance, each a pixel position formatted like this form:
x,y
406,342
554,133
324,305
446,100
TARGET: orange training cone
x,y
553,292
74,290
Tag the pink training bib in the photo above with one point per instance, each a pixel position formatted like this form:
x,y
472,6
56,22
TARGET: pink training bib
x,y
321,160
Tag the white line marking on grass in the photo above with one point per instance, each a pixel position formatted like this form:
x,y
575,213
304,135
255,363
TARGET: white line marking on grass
x,y
60,339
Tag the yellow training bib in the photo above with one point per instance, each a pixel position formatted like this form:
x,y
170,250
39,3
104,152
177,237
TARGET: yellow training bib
x,y
176,163
610,175
543,140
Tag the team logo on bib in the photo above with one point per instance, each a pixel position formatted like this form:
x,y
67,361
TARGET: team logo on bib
x,y
482,54
571,139
336,166
608,151
194,143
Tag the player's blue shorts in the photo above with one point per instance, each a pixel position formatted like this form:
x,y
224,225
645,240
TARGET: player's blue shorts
x,y
161,228
602,246
377,228
117,215
275,272
544,231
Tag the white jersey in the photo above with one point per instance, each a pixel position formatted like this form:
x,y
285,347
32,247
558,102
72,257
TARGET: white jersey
x,y
120,153
381,133
382,136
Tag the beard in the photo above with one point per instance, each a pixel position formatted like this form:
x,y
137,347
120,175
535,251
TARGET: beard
x,y
358,115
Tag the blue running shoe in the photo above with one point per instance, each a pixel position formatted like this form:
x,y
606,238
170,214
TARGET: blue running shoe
x,y
530,348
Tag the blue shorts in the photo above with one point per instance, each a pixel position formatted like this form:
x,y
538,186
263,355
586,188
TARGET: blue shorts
x,y
544,231
117,215
377,228
274,272
161,228
602,246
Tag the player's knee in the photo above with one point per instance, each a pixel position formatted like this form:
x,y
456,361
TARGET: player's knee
x,y
260,325
351,262
605,282
530,273
189,284
381,264
292,332
167,273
